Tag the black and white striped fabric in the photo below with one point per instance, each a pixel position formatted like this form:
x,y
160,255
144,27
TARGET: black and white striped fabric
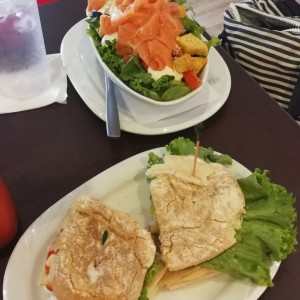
x,y
267,44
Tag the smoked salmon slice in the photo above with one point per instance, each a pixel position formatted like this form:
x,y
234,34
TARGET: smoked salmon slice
x,y
109,26
147,28
95,4
123,4
155,54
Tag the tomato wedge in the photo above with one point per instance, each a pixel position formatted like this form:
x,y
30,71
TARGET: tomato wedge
x,y
8,216
191,79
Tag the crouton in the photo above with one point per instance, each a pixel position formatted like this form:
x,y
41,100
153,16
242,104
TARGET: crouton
x,y
198,63
187,62
183,63
182,11
192,45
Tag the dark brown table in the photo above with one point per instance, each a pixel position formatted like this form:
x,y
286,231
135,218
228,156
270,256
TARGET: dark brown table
x,y
46,153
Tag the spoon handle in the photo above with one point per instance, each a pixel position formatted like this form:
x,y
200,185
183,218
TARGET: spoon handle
x,y
112,115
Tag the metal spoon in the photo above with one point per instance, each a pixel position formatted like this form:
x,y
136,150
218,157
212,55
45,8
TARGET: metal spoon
x,y
112,115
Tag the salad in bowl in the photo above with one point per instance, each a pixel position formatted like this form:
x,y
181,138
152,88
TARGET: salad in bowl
x,y
152,49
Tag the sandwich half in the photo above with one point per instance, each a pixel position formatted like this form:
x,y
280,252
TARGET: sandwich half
x,y
201,222
98,253
197,216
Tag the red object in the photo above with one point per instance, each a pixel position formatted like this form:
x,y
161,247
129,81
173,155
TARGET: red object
x,y
191,79
47,269
8,216
51,252
49,287
144,65
126,58
42,2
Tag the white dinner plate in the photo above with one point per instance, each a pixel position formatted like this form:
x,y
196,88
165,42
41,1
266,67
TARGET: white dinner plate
x,y
124,187
87,78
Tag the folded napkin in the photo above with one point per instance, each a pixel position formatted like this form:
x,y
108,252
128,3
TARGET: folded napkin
x,y
56,92
146,113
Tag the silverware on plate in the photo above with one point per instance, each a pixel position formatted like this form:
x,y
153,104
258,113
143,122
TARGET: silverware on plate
x,y
112,115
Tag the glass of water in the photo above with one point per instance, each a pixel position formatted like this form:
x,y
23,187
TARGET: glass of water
x,y
24,72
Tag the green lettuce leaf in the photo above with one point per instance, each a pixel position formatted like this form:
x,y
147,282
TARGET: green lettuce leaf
x,y
267,201
109,56
150,275
213,42
267,233
93,29
175,92
144,294
153,270
137,84
179,1
192,26
162,84
154,159
184,146
93,23
133,68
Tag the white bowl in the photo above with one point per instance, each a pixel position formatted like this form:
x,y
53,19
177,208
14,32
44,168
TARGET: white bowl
x,y
128,92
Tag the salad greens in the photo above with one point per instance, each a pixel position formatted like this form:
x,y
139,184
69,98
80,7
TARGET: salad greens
x,y
151,272
184,146
93,30
193,27
267,233
181,2
268,230
132,71
213,42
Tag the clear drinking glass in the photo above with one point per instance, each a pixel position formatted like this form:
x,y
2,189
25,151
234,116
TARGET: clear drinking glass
x,y
24,72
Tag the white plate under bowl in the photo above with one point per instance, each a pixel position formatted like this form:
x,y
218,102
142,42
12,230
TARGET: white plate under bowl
x,y
124,187
87,77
